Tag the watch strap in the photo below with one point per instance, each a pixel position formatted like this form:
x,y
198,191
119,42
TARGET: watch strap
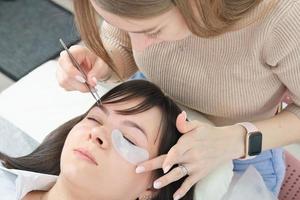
x,y
250,128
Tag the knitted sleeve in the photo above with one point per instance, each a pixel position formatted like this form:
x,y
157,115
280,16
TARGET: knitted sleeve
x,y
283,53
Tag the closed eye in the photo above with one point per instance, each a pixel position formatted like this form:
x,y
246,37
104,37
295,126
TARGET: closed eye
x,y
129,140
95,120
99,122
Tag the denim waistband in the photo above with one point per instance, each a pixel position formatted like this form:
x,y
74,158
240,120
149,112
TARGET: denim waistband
x,y
271,166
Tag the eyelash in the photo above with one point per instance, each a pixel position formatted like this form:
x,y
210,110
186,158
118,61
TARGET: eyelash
x,y
97,121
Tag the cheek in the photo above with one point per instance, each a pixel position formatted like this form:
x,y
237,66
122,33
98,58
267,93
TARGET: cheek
x,y
73,139
72,168
66,151
120,176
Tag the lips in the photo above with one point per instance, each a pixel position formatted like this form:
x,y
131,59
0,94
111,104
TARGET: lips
x,y
86,155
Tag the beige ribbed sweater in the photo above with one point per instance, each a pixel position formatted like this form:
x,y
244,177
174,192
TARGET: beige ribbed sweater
x,y
238,76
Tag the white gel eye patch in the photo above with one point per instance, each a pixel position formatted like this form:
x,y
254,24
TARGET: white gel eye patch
x,y
128,151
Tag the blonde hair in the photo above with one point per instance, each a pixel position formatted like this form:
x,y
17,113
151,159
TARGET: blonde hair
x,y
205,18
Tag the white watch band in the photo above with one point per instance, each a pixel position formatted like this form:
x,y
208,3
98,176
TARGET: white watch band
x,y
249,128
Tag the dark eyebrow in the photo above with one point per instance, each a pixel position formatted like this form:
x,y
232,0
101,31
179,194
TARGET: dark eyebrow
x,y
103,109
125,122
135,125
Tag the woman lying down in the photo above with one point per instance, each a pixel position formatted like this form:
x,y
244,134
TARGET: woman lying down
x,y
94,156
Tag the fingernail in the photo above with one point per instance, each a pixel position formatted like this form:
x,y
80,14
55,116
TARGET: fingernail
x,y
94,80
167,168
139,169
184,114
80,79
156,184
177,197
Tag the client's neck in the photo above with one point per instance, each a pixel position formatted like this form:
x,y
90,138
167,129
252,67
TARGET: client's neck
x,y
63,190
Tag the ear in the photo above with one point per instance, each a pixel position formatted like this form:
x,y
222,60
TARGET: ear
x,y
148,194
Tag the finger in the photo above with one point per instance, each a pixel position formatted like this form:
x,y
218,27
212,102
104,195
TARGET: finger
x,y
69,83
82,56
64,58
149,165
185,187
78,86
63,80
99,71
67,66
184,126
175,154
181,118
174,175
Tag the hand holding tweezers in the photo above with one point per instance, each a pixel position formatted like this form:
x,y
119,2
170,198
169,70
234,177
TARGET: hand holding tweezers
x,y
77,65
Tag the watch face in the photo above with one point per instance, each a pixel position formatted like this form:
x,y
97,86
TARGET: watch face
x,y
255,143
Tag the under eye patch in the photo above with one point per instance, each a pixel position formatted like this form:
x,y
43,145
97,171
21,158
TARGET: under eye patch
x,y
128,151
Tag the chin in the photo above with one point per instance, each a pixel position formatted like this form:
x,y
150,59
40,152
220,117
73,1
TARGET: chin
x,y
76,175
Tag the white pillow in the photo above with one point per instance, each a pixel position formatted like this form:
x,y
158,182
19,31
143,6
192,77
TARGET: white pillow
x,y
216,184
37,104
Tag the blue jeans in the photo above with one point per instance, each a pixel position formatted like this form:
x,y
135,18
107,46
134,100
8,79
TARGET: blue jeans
x,y
271,166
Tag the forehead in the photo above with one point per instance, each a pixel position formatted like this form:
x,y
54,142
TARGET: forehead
x,y
134,25
149,120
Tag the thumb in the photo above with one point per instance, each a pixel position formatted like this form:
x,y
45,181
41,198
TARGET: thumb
x,y
99,71
184,126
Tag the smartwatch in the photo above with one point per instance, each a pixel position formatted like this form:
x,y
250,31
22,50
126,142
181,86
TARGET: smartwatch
x,y
253,140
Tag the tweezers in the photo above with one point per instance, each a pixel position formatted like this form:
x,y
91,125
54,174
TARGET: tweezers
x,y
77,65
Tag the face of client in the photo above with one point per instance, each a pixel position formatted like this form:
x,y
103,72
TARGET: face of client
x,y
106,174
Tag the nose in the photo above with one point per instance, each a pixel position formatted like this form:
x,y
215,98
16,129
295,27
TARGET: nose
x,y
99,136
